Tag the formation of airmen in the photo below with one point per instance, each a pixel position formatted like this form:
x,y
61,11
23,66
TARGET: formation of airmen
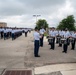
x,y
13,33
61,37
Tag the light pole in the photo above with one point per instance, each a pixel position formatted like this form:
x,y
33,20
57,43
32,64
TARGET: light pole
x,y
36,16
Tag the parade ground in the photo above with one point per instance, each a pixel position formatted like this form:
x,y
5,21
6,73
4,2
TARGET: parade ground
x,y
19,54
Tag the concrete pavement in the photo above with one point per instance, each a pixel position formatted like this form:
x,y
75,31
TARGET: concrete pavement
x,y
64,69
19,54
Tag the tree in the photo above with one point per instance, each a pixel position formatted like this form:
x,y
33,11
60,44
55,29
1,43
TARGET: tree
x,y
41,23
68,22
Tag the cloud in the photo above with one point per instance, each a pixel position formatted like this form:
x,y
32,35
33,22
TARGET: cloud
x,y
42,3
62,12
20,12
73,4
20,7
11,7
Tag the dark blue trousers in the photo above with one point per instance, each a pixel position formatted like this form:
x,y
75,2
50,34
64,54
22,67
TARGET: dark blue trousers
x,y
65,47
60,45
36,47
53,44
1,34
73,45
25,34
5,36
13,36
41,41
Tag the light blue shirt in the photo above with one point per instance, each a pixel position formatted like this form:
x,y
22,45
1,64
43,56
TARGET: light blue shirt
x,y
42,31
52,33
74,35
66,34
61,33
36,36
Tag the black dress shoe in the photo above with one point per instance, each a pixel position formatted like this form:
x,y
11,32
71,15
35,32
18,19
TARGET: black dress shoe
x,y
63,51
41,46
72,49
37,56
59,46
50,48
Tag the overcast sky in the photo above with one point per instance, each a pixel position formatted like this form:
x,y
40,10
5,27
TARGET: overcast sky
x,y
20,13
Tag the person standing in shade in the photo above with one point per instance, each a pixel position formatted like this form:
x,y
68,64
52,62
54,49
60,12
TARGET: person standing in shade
x,y
2,32
13,34
65,45
42,31
57,35
53,35
36,42
61,35
26,31
5,34
73,36
50,30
